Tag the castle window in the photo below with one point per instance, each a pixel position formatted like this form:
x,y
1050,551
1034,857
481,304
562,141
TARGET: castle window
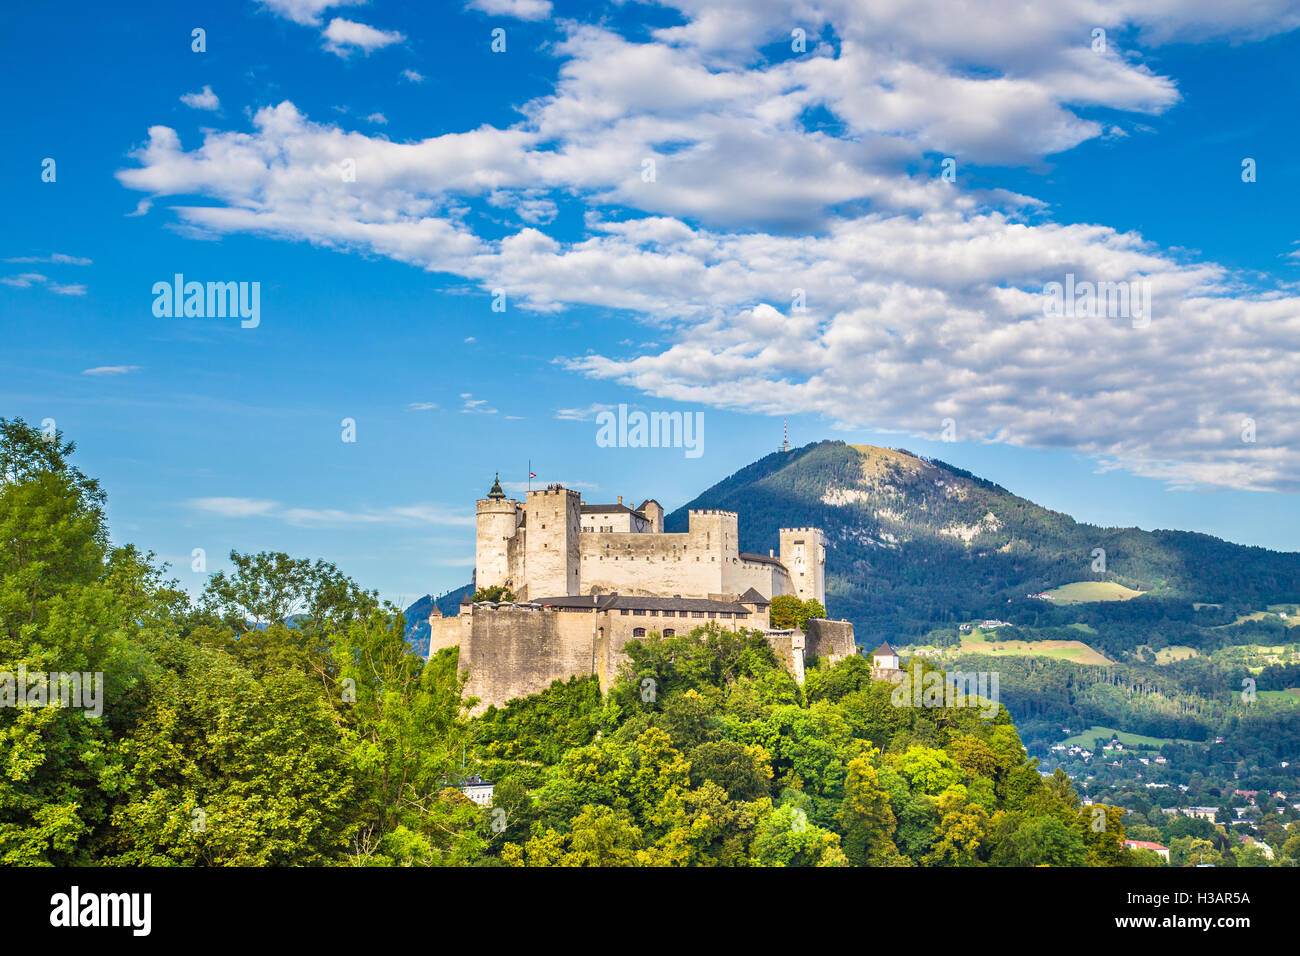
x,y
638,632
697,614
639,613
670,613
712,614
669,632
623,612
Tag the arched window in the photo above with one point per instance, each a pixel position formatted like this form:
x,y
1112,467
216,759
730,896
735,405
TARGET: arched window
x,y
638,632
669,632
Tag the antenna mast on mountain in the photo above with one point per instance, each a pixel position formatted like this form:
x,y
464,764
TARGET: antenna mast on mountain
x,y
785,428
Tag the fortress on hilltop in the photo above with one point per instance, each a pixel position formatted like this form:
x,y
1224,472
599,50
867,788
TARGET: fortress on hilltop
x,y
588,578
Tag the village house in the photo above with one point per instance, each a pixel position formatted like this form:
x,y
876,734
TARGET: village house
x,y
1157,848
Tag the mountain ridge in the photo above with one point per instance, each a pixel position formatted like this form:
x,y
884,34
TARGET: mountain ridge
x,y
914,542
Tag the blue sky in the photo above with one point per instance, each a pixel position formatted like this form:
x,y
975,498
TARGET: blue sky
x,y
524,171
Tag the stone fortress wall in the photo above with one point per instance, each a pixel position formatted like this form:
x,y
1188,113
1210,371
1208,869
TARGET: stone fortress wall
x,y
588,578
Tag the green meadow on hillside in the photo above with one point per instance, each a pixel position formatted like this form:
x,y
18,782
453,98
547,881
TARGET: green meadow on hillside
x,y
977,642
1086,738
1088,592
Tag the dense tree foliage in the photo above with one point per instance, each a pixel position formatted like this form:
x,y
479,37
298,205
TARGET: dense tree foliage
x,y
788,612
706,752
281,719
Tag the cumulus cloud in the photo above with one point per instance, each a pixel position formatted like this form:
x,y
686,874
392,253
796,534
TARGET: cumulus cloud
x,y
345,36
306,12
519,9
205,99
777,218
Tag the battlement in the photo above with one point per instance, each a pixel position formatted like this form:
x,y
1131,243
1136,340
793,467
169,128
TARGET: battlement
x,y
555,490
802,531
714,511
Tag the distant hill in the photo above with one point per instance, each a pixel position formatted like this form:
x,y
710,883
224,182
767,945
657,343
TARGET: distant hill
x,y
417,616
915,543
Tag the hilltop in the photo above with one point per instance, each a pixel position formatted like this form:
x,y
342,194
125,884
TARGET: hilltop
x,y
915,543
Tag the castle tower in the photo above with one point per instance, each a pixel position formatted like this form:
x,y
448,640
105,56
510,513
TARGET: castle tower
x,y
654,515
803,552
496,525
713,532
552,556
714,545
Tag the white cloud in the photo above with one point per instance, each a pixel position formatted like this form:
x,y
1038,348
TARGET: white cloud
x,y
519,9
203,100
307,12
476,406
413,76
142,207
422,406
111,370
344,36
581,414
379,119
57,258
234,507
531,205
24,280
263,508
27,280
923,297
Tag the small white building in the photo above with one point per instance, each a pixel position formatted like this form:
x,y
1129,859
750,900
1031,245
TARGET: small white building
x,y
475,788
1156,848
884,657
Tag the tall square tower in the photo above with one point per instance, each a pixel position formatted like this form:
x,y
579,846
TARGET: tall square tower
x,y
552,553
803,552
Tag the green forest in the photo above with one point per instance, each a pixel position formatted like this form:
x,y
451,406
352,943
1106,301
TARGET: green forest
x,y
281,719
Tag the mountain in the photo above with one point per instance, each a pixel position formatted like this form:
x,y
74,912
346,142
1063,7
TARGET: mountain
x,y
915,544
417,616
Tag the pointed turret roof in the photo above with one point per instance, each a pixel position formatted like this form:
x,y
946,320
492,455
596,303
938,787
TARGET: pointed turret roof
x,y
885,650
496,491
